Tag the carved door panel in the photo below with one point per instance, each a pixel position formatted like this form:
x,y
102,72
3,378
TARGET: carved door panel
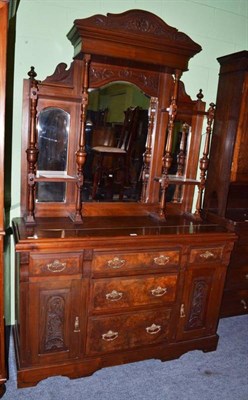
x,y
55,320
199,310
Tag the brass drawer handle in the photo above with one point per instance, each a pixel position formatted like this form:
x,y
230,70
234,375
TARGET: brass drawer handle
x,y
159,291
116,262
246,276
153,329
56,266
161,260
244,304
208,254
114,295
109,336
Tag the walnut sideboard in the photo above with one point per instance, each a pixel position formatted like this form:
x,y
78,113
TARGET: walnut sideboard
x,y
115,290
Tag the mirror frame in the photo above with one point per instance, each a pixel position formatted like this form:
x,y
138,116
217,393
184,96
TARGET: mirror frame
x,y
152,55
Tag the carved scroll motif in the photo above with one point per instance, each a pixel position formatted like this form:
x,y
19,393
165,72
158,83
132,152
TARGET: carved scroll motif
x,y
138,22
100,75
54,326
197,311
61,75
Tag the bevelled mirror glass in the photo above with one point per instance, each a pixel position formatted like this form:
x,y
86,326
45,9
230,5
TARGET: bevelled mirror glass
x,y
53,131
116,132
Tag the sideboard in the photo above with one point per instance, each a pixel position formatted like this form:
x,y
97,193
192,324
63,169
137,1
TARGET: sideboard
x,y
115,290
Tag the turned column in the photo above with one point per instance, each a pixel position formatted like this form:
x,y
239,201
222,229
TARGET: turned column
x,y
204,160
32,151
81,152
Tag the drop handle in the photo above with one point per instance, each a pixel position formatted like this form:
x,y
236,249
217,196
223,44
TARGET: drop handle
x,y
114,295
159,291
76,325
153,329
161,260
110,336
207,254
116,263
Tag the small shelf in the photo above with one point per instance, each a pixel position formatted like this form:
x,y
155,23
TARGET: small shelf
x,y
54,176
179,180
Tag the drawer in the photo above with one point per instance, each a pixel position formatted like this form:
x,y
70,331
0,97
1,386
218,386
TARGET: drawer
x,y
203,255
54,264
234,303
144,262
237,278
120,332
111,294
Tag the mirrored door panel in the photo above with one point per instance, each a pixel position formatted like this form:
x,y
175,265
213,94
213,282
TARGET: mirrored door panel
x,y
53,131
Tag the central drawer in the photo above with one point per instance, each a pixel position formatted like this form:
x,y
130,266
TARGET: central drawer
x,y
110,294
126,331
143,262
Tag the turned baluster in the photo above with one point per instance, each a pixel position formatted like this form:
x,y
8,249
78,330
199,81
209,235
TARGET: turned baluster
x,y
181,157
204,161
32,151
167,158
81,153
148,152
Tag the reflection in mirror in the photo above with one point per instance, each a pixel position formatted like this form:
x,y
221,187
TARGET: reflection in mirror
x,y
53,129
179,156
116,132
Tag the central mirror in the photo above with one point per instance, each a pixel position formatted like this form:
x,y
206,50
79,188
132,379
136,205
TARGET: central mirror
x,y
116,133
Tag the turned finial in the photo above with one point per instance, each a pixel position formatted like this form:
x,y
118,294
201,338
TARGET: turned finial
x,y
200,95
32,74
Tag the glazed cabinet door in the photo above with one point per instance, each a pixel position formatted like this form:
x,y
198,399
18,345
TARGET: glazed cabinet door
x,y
55,320
199,309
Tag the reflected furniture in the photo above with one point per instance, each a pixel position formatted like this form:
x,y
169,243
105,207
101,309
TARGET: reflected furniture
x,y
120,157
105,283
3,54
226,198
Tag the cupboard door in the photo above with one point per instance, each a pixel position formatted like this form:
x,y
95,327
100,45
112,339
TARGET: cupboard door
x,y
200,305
55,320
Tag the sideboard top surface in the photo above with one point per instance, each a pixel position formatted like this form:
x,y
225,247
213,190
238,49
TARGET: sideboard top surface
x,y
111,230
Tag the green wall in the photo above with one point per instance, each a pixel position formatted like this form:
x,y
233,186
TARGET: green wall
x,y
219,26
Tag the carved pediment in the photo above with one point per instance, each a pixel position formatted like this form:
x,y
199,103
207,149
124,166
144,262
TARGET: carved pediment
x,y
138,22
135,35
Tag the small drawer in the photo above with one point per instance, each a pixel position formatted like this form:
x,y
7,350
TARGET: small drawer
x,y
120,332
112,263
54,264
111,294
205,255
